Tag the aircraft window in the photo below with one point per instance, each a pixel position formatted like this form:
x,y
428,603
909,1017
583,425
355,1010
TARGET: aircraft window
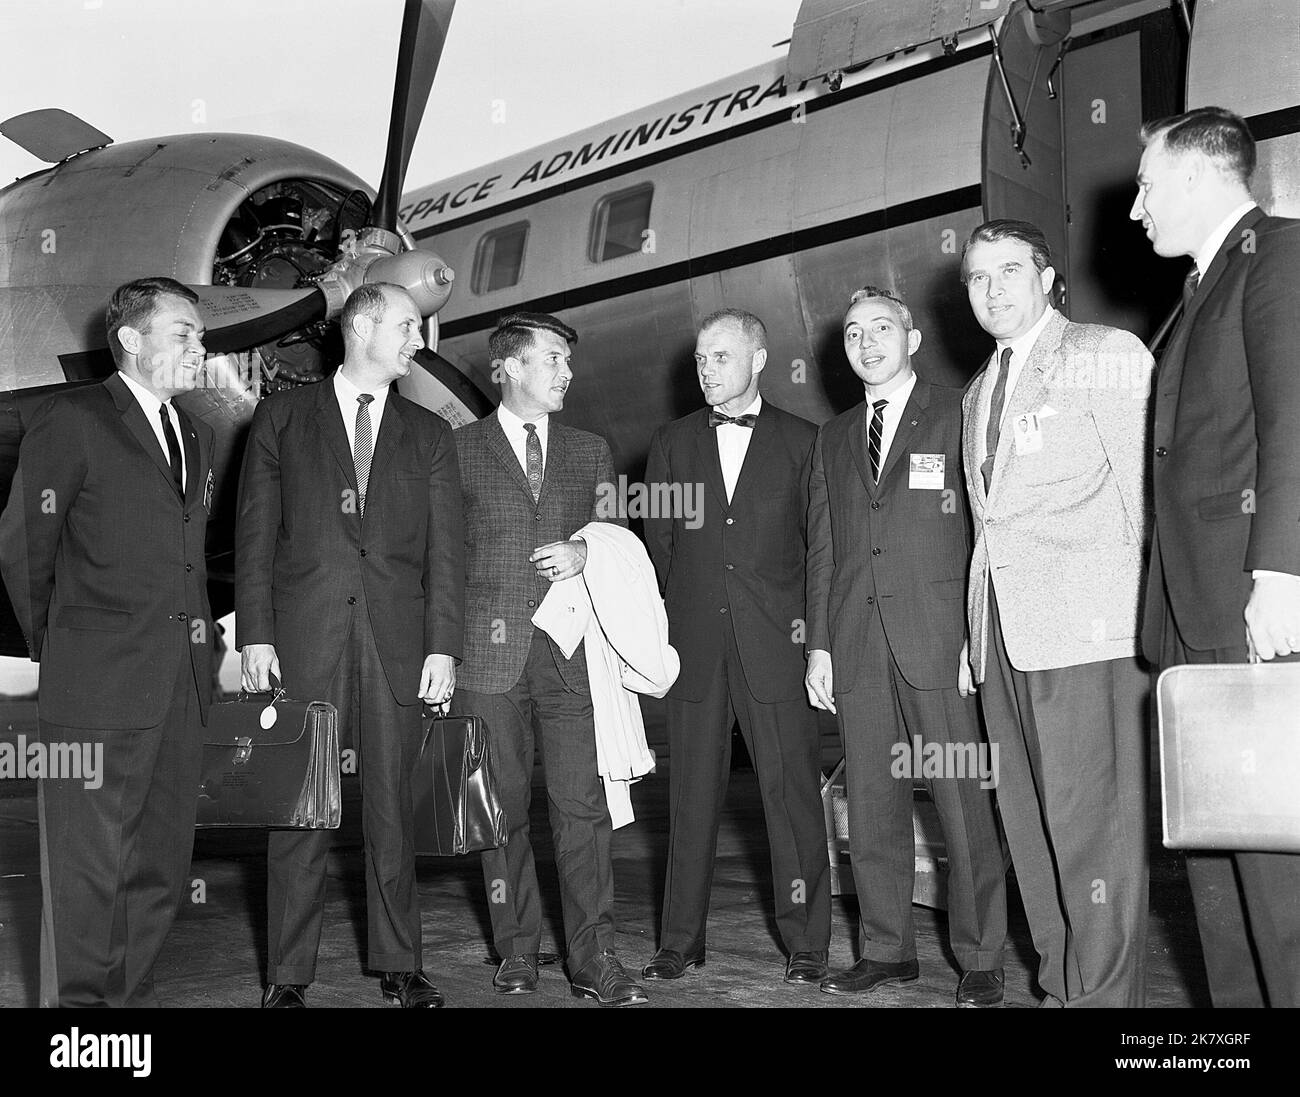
x,y
620,223
500,258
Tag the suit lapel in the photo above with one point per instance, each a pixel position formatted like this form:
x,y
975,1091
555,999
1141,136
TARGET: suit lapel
x,y
971,450
552,460
391,429
706,453
500,447
194,468
1028,393
858,447
134,418
913,410
333,431
757,456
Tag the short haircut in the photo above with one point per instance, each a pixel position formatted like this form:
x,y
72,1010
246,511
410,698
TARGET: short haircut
x,y
750,325
515,332
868,293
133,305
369,300
1002,229
1221,135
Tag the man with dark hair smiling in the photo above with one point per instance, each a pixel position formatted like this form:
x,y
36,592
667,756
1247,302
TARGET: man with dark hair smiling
x,y
1225,563
1054,428
529,483
888,547
349,562
101,546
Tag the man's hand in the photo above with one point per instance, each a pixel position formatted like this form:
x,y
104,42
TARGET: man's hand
x,y
561,560
257,663
819,680
965,673
437,679
1273,616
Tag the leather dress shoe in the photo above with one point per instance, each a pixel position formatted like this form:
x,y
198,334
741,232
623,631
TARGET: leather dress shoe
x,y
670,964
980,988
604,979
284,996
517,974
866,975
410,990
806,967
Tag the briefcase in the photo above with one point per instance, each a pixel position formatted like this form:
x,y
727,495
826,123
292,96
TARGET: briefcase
x,y
271,762
457,808
1230,756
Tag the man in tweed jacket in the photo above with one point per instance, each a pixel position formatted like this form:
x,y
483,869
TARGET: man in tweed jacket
x,y
1053,433
529,483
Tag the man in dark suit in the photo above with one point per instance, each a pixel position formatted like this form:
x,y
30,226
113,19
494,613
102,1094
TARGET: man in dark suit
x,y
888,551
1225,563
102,552
350,588
731,568
1053,432
529,483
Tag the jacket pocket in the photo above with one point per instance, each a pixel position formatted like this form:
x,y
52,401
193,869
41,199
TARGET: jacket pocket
x,y
949,588
1229,504
97,618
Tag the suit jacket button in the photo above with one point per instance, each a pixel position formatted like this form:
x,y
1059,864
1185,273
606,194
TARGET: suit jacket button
x,y
537,517
189,567
363,552
723,609
875,552
531,603
875,505
870,600
352,599
730,567
182,617
187,517
1161,451
731,521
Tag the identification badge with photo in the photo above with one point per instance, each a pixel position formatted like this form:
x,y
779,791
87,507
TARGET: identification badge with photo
x,y
925,471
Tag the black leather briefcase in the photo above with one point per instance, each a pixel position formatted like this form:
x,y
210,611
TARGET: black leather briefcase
x,y
271,762
457,809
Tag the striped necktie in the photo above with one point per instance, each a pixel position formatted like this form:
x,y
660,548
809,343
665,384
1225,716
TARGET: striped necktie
x,y
363,448
994,428
875,433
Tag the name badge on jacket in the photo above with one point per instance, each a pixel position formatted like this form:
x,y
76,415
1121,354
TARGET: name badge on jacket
x,y
208,485
1028,430
925,471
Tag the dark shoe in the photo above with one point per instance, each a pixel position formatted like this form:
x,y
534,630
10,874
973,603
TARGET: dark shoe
x,y
410,990
980,988
284,996
605,980
806,967
516,975
668,964
866,975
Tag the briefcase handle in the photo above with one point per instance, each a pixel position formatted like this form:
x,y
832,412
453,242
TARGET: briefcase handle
x,y
276,692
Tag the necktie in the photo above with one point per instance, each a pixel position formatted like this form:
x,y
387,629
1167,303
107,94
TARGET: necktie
x,y
533,455
875,432
363,448
994,427
1190,283
716,419
173,449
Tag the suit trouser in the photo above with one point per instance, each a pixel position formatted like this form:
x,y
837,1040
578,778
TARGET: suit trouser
x,y
879,713
1247,904
785,747
115,858
1073,797
386,738
541,711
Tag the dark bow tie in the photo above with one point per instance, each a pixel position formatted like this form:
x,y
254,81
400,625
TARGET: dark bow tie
x,y
716,419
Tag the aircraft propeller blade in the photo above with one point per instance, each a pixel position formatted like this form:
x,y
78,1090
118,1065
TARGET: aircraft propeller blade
x,y
424,30
238,317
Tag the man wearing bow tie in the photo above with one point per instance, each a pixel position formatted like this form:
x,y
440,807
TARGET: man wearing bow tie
x,y
733,582
1225,560
1054,428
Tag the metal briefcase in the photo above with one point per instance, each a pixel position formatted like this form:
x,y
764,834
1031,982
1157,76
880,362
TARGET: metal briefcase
x,y
1230,756
275,770
457,808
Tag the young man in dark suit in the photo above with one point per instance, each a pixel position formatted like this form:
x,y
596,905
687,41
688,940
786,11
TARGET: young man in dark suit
x,y
350,588
529,483
1225,559
889,546
102,551
732,572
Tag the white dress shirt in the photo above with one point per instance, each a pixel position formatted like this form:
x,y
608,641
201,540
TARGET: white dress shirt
x,y
896,401
518,437
150,404
733,444
346,393
1020,348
